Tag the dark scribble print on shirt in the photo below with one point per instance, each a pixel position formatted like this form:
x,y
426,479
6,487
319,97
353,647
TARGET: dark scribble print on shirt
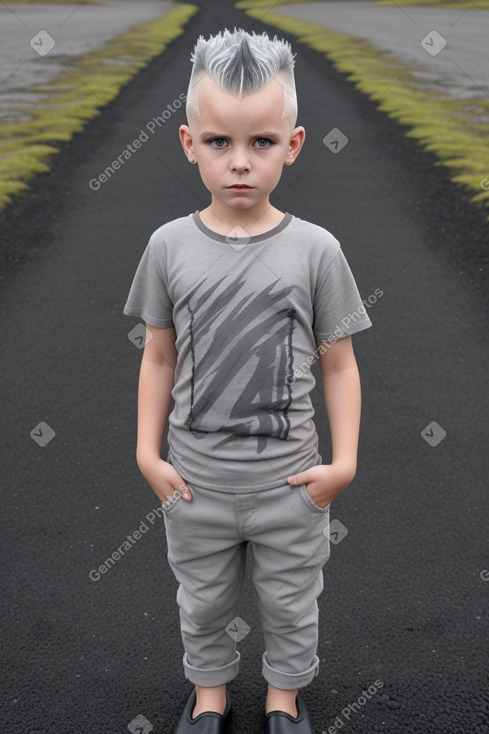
x,y
242,360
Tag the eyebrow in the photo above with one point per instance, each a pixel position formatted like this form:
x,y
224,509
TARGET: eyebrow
x,y
266,134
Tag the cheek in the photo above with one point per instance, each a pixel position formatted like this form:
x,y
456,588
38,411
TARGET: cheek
x,y
209,168
273,167
212,164
275,159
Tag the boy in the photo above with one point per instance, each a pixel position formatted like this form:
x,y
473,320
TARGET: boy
x,y
235,299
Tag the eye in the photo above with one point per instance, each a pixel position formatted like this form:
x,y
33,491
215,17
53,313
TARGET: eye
x,y
221,142
265,140
215,140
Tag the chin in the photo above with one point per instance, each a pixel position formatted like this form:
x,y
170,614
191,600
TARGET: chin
x,y
238,203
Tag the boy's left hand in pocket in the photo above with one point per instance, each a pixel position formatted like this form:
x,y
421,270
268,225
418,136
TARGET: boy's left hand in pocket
x,y
323,482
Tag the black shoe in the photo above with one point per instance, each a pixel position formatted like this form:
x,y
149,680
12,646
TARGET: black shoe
x,y
279,722
208,722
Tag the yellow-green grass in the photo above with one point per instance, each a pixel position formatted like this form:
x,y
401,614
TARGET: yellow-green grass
x,y
456,4
462,4
77,96
249,4
455,130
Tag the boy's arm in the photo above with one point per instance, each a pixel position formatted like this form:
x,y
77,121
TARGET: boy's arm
x,y
342,395
156,381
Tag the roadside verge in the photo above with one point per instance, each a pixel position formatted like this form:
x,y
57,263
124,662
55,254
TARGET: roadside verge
x,y
456,131
74,98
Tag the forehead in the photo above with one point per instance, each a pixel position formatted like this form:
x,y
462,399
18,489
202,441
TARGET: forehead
x,y
219,107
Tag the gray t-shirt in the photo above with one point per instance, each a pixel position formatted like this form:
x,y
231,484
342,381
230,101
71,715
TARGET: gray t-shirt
x,y
246,314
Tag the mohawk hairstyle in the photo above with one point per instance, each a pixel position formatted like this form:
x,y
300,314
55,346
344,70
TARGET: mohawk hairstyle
x,y
242,63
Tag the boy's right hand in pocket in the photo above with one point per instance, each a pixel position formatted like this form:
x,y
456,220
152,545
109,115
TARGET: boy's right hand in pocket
x,y
163,479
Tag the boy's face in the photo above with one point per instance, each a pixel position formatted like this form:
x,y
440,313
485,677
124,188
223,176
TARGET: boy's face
x,y
240,141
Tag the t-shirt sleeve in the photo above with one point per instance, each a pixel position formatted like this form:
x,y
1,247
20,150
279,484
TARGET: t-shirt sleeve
x,y
148,296
338,307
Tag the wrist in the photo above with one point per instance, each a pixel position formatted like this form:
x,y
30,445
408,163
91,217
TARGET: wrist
x,y
347,467
145,458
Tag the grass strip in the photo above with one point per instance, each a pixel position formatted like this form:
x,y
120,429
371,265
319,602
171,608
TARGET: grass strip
x,y
455,130
77,96
455,4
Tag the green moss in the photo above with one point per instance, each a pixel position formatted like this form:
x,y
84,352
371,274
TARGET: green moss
x,y
249,4
455,4
455,130
69,101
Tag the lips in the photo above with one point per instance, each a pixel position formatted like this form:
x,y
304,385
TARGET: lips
x,y
239,186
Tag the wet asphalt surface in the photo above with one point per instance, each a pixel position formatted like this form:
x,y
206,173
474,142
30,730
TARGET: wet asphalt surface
x,y
406,593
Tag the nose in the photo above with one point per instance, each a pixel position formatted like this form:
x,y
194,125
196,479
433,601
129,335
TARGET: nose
x,y
240,160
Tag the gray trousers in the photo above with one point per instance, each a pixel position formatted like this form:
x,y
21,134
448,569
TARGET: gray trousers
x,y
288,538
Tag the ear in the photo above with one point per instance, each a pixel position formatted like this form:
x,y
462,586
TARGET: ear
x,y
297,137
186,141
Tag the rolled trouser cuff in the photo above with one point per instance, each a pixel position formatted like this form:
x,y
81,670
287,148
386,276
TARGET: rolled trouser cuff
x,y
210,677
289,681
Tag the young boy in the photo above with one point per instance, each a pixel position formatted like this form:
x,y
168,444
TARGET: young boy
x,y
236,298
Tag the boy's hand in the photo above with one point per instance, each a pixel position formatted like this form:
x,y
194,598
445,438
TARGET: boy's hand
x,y
163,479
324,481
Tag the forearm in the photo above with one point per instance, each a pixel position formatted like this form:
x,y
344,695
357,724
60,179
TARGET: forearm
x,y
342,394
154,399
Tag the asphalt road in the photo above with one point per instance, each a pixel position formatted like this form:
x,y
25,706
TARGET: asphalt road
x,y
445,47
406,591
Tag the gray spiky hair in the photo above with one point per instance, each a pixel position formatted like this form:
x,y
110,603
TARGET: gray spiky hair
x,y
244,63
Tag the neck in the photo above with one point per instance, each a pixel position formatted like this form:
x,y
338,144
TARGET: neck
x,y
255,220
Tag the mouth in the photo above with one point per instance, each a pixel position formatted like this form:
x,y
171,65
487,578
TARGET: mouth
x,y
240,186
